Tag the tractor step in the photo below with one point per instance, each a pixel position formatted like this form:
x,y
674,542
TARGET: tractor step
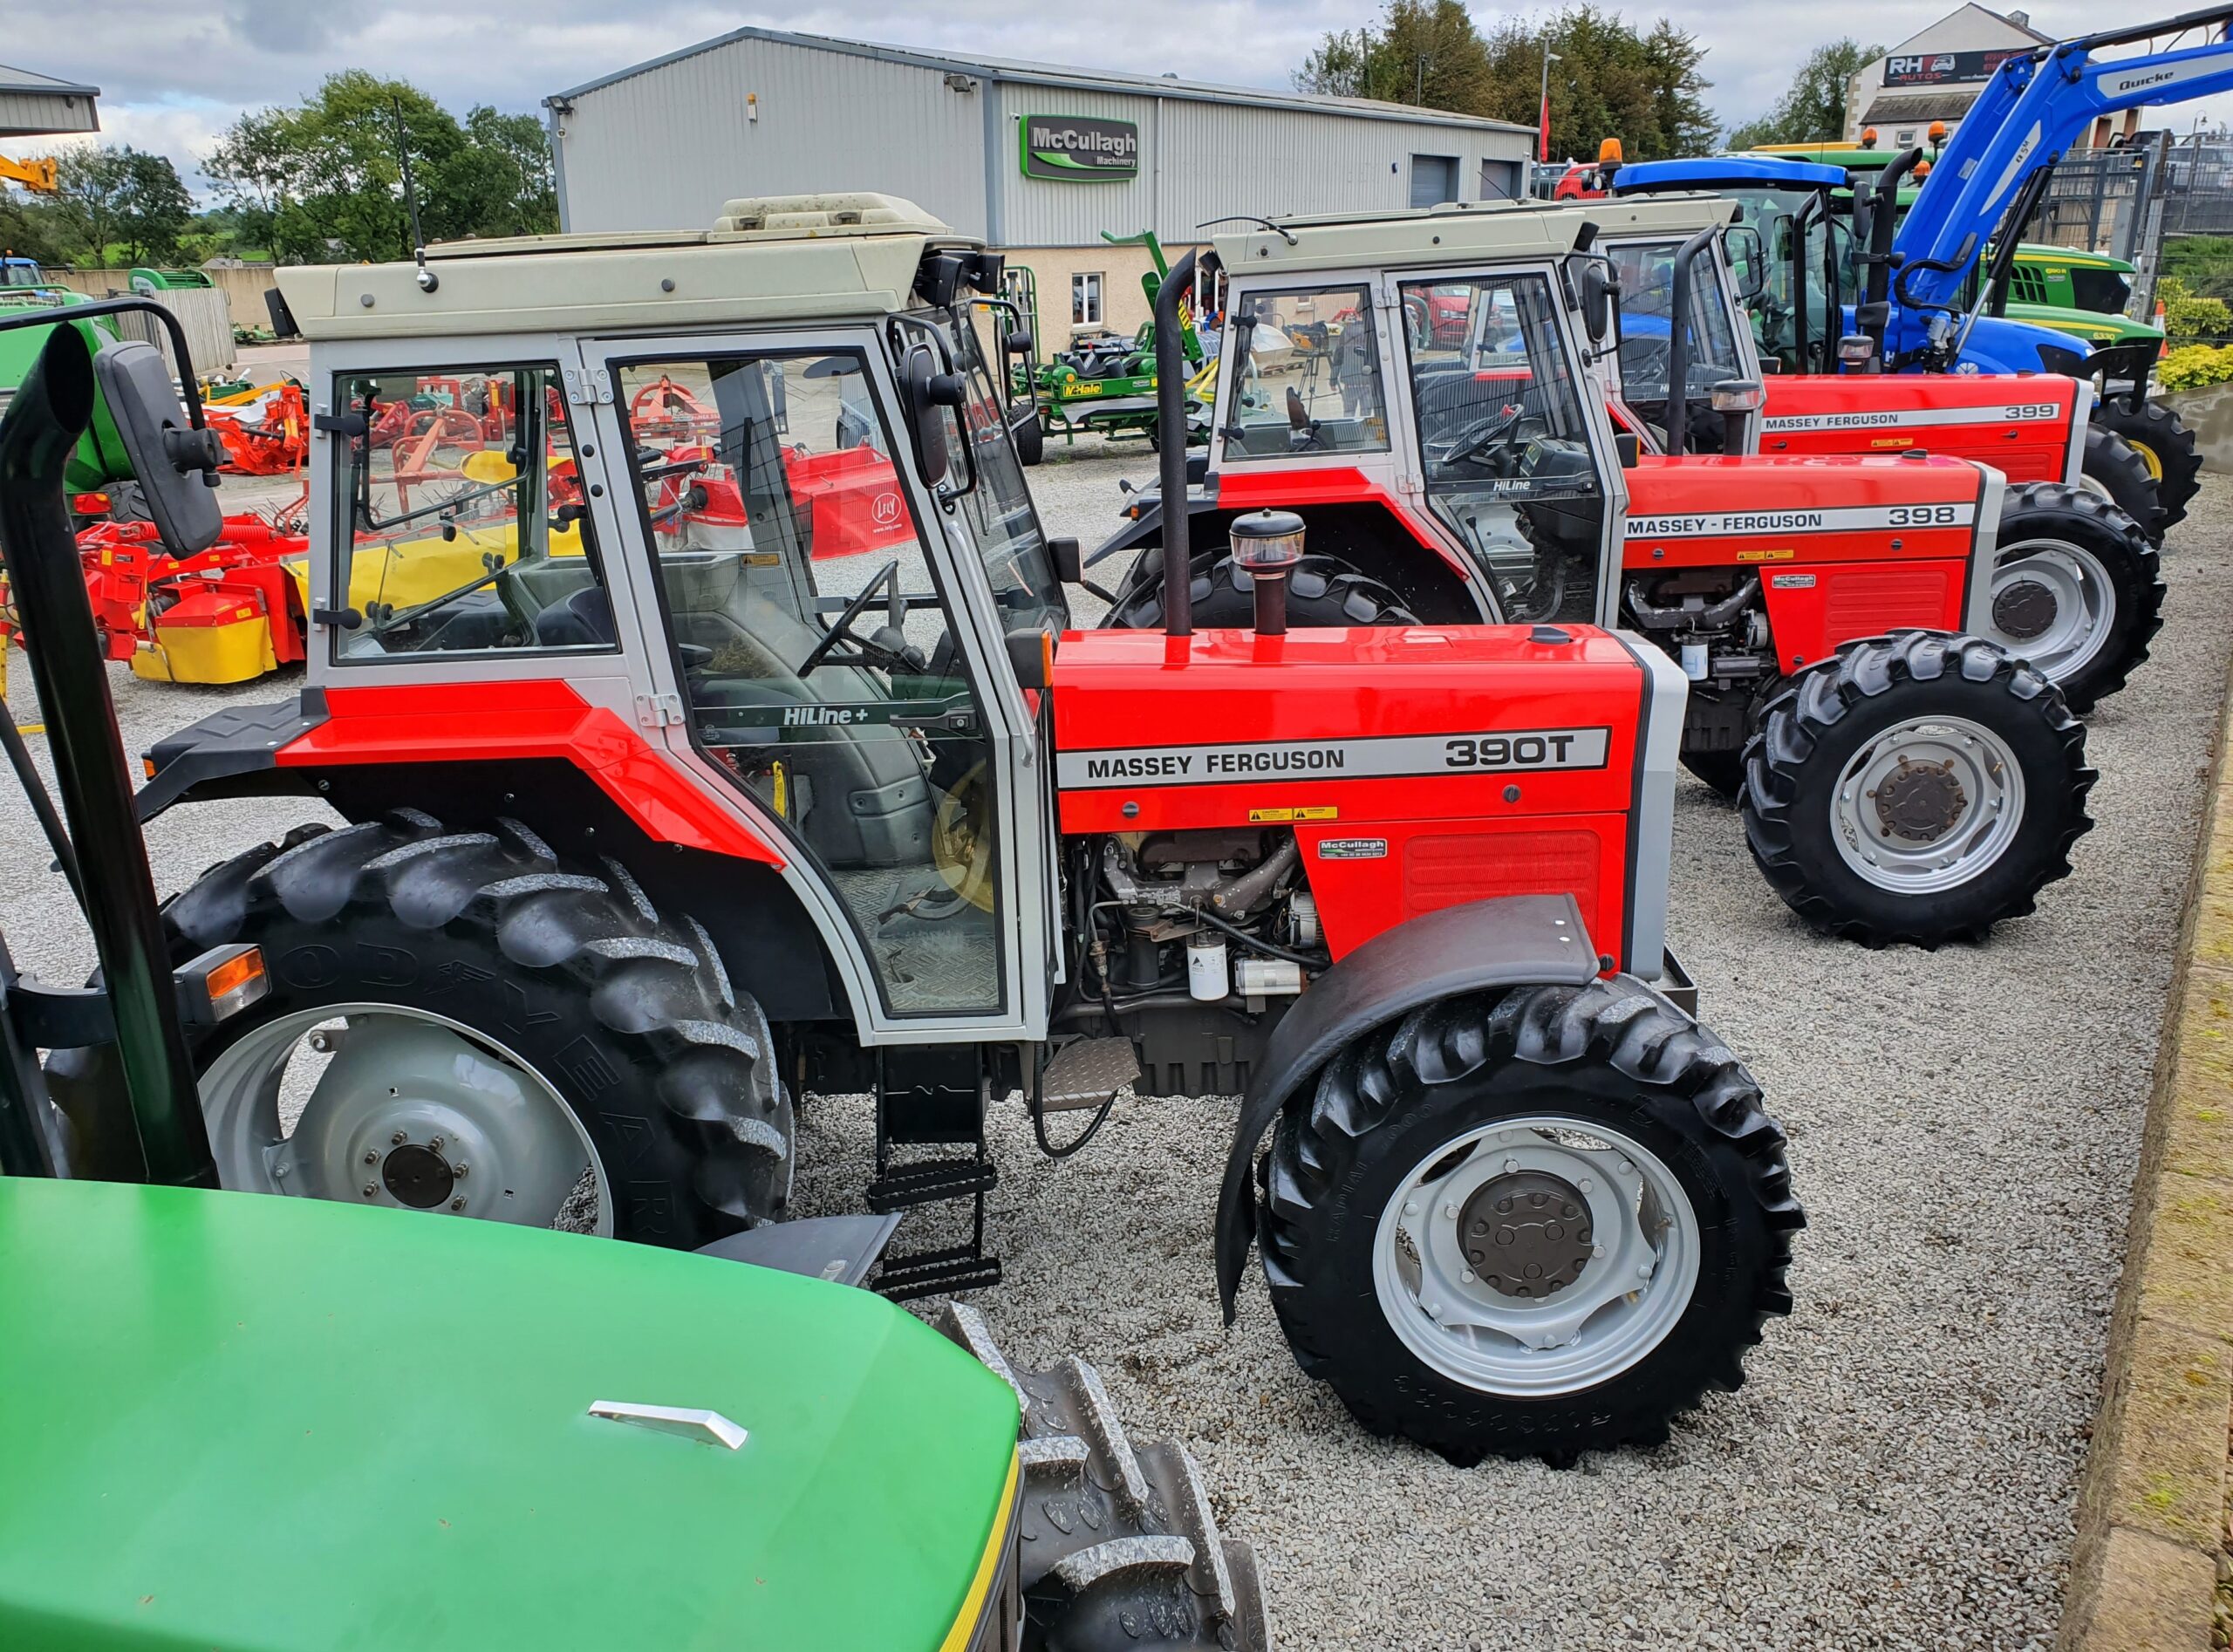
x,y
937,1273
927,1180
934,1096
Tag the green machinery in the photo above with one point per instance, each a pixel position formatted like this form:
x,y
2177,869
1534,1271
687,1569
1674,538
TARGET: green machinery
x,y
248,1421
25,291
1106,387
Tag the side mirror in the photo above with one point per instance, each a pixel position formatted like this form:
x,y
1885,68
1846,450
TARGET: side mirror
x,y
1748,256
1738,395
174,464
1595,292
1069,559
1627,448
927,415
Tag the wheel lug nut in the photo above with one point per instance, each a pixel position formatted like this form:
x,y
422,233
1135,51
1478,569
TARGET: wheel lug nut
x,y
1449,1212
1586,1184
372,1157
436,1144
370,1189
1466,1274
398,1139
457,1204
1511,1165
459,1171
1597,1250
1410,1207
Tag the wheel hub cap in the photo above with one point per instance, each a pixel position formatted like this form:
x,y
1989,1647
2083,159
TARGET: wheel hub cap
x,y
1920,802
418,1176
2024,610
1527,1235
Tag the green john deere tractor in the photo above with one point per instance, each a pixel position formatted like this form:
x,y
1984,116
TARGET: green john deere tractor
x,y
237,1420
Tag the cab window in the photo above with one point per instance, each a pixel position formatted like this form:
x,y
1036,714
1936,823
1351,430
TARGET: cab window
x,y
1647,276
1504,445
463,528
820,667
1306,374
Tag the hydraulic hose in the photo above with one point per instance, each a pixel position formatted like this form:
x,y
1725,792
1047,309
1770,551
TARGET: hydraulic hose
x,y
43,424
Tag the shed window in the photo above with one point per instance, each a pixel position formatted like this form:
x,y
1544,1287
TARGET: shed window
x,y
1085,299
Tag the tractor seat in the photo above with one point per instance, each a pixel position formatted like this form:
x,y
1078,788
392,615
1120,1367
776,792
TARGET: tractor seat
x,y
583,620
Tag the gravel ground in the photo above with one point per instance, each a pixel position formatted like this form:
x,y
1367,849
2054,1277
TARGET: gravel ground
x,y
1898,1471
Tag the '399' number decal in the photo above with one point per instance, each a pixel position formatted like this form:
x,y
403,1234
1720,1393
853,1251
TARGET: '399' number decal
x,y
1925,515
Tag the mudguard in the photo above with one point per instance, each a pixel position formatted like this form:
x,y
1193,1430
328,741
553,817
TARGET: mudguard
x,y
1145,523
1514,940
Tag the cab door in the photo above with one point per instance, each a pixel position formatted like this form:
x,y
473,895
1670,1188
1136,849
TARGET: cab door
x,y
815,657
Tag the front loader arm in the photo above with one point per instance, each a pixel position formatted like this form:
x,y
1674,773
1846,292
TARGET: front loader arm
x,y
2030,111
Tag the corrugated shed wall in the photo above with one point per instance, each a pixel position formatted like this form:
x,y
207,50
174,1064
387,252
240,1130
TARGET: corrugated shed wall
x,y
44,111
663,149
1200,160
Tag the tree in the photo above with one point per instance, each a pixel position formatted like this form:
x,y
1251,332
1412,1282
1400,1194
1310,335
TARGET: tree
x,y
1611,81
107,196
324,180
1813,110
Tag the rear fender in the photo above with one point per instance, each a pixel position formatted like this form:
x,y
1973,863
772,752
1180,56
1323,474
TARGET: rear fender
x,y
1518,940
2022,426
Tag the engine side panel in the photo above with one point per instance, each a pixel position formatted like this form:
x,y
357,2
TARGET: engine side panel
x,y
2019,424
1419,768
1843,546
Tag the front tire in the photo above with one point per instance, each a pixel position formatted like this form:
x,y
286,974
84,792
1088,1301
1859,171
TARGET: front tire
x,y
1323,591
2077,590
2112,469
2166,447
1030,440
460,1008
1595,1135
1918,787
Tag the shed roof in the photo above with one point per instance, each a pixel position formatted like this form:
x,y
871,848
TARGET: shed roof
x,y
1020,71
34,105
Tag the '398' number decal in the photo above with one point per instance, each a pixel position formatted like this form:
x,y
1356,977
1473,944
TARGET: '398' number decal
x,y
1925,515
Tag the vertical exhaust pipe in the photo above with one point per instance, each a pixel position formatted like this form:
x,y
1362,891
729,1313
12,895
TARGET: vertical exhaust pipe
x,y
1171,428
1678,341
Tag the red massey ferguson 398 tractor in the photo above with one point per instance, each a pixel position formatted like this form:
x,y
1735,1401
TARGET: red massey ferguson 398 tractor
x,y
1906,775
657,825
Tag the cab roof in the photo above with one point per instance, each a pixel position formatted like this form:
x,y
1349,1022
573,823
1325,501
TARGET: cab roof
x,y
1459,234
766,258
1719,172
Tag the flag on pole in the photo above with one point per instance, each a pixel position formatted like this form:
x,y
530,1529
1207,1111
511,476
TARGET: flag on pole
x,y
1543,128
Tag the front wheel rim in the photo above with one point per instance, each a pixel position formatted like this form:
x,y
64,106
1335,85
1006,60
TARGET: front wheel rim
x,y
400,1108
1614,1225
2052,605
1926,805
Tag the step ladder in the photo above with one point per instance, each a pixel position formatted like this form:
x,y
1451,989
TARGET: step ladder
x,y
939,1101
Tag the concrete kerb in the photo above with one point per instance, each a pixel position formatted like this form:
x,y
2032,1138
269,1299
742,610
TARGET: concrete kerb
x,y
2152,1503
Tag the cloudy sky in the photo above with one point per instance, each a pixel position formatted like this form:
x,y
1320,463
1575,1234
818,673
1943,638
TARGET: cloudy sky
x,y
173,76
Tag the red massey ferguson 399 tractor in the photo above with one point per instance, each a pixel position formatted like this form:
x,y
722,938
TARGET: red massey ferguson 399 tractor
x,y
1906,775
658,823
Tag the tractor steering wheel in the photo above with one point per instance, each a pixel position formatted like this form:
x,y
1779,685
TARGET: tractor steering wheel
x,y
1480,442
867,652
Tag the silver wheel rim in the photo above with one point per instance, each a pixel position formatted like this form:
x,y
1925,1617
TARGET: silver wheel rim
x,y
2093,485
378,1104
1964,770
1628,1292
2083,602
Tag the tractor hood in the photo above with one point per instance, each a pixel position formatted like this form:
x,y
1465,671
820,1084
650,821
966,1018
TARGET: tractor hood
x,y
248,1422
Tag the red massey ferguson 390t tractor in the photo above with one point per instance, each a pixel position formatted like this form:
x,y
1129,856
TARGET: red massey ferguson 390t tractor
x,y
1909,777
657,824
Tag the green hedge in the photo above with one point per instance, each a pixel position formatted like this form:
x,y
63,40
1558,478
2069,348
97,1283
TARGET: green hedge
x,y
2192,367
2188,315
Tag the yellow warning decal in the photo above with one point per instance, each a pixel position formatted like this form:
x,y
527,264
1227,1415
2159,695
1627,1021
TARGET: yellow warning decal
x,y
1893,442
1782,554
1275,816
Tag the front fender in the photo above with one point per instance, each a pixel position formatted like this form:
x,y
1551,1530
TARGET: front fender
x,y
1146,527
1509,941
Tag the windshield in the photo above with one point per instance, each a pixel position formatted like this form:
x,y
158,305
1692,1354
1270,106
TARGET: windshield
x,y
998,511
1790,315
24,275
1646,273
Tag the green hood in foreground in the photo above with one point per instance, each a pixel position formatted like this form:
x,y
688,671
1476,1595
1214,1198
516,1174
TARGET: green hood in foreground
x,y
243,1422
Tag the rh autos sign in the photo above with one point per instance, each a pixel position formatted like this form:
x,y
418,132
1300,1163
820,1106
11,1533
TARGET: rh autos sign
x,y
1079,149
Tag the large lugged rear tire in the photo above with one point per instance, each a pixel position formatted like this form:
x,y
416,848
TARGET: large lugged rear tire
x,y
1323,592
2111,469
2077,590
480,949
2166,447
1119,1545
1918,787
1597,1214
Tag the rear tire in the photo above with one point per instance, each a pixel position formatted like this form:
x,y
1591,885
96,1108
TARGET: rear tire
x,y
2166,447
2078,589
570,977
2114,471
1323,591
1119,1545
1677,1119
1951,723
